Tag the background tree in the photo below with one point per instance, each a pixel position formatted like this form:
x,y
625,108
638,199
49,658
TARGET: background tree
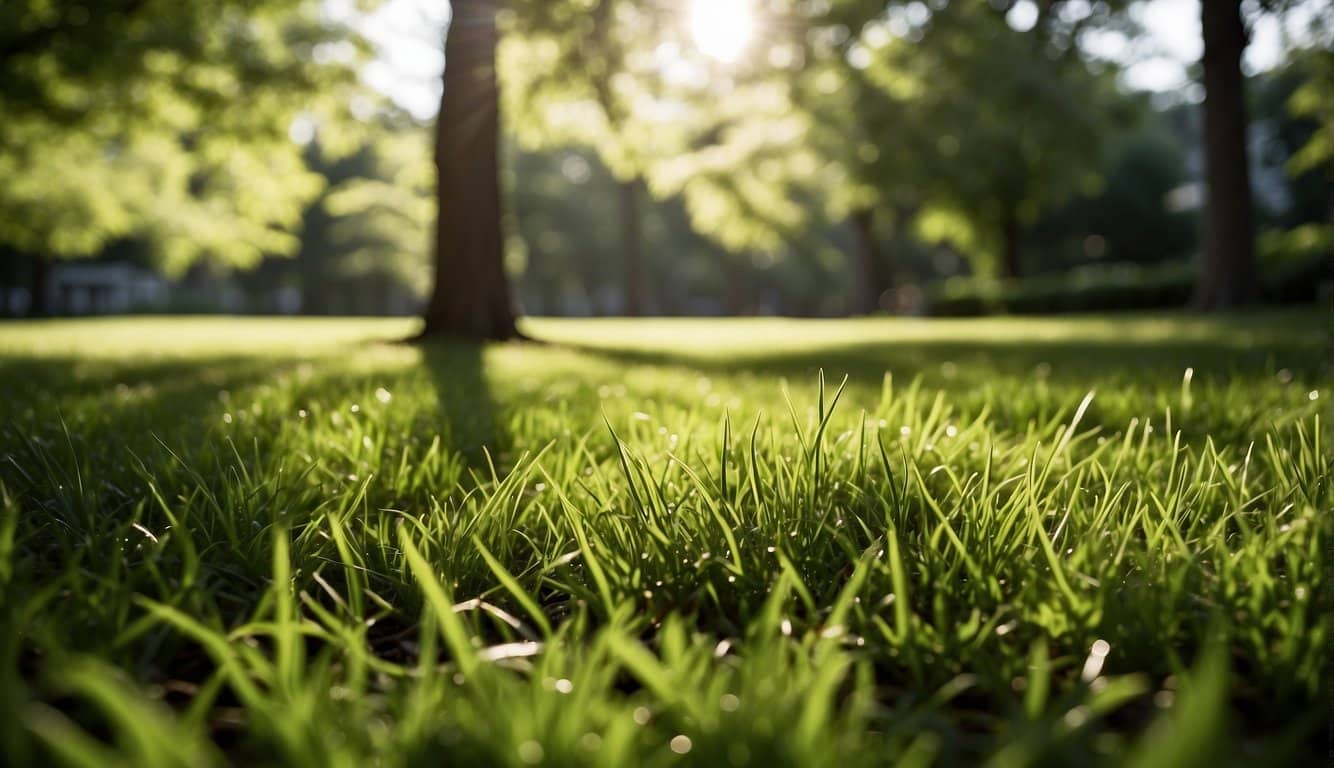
x,y
365,239
1143,170
1294,108
566,250
471,296
126,118
565,75
1006,122
1227,269
613,76
946,116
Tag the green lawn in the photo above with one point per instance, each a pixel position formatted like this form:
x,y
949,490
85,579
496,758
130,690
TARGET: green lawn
x,y
1012,542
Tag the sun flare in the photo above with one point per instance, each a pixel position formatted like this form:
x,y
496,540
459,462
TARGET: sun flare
x,y
722,29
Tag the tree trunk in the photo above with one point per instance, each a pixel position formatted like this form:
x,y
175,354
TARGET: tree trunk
x,y
631,247
39,288
871,275
1227,270
471,298
1011,257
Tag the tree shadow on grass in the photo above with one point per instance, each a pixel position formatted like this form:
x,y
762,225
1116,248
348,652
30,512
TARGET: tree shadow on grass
x,y
969,362
103,413
466,409
1086,347
112,409
1133,377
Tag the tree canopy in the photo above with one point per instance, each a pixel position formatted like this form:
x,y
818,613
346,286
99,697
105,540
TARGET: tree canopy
x,y
164,119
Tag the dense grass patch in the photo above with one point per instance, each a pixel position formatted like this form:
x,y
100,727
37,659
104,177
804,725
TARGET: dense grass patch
x,y
1018,542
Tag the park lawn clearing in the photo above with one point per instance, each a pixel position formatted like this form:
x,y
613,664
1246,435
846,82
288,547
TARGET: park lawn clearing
x,y
1098,540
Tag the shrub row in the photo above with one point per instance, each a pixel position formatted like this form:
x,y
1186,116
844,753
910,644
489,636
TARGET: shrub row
x,y
1120,287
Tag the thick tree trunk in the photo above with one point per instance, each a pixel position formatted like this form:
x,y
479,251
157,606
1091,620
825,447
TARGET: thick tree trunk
x,y
39,288
870,270
471,298
1227,269
632,248
1012,266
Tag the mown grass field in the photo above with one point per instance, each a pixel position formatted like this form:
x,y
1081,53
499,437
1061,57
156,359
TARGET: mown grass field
x,y
1004,542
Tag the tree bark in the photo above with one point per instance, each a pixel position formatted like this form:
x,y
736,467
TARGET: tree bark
x,y
1012,266
39,288
1227,269
873,282
471,298
631,247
